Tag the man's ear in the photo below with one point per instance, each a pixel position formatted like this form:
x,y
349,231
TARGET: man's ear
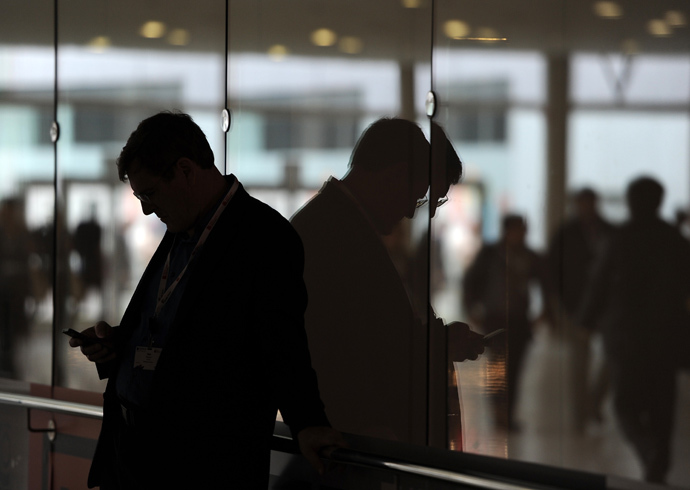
x,y
188,168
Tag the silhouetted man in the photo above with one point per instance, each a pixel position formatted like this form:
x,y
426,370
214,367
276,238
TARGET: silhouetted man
x,y
639,291
212,343
368,342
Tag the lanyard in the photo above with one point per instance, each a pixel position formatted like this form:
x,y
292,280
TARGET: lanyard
x,y
164,294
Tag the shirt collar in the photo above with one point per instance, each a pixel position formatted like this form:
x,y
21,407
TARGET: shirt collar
x,y
201,223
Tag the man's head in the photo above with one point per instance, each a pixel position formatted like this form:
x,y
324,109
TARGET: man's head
x,y
169,165
585,203
389,171
644,196
446,166
160,140
514,230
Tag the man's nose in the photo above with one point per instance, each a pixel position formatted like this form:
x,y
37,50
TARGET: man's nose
x,y
147,208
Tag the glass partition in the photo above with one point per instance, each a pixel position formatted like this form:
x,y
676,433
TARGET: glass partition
x,y
305,83
26,213
127,65
552,129
26,194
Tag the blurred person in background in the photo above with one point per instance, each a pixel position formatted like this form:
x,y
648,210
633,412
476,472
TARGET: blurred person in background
x,y
497,294
638,296
571,255
15,281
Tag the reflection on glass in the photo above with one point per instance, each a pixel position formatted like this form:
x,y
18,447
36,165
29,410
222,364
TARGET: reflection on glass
x,y
358,305
623,113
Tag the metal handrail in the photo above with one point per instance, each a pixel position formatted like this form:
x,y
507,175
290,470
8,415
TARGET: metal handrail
x,y
344,456
375,461
50,405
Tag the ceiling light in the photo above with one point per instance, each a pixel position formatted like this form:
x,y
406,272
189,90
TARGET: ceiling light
x,y
277,52
675,18
487,34
152,29
659,28
608,10
350,45
98,44
323,37
456,29
411,4
178,37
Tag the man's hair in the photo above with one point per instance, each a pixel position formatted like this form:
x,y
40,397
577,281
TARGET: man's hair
x,y
391,141
160,140
586,193
510,220
644,196
448,160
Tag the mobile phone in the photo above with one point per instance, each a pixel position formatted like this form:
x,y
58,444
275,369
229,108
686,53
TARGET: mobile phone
x,y
78,335
487,338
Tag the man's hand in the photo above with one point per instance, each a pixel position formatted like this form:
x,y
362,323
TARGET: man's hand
x,y
465,343
319,440
102,349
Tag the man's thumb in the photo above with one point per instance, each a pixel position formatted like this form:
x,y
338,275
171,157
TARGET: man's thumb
x,y
102,330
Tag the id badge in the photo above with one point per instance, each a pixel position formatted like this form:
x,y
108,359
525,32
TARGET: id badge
x,y
147,357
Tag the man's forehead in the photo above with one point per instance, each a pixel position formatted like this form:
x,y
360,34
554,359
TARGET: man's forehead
x,y
135,167
139,176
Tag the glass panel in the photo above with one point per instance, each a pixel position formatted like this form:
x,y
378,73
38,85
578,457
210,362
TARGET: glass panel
x,y
542,100
305,83
117,66
26,193
26,216
489,100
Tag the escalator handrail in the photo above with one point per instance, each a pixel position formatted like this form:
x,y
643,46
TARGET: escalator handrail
x,y
51,405
349,456
341,455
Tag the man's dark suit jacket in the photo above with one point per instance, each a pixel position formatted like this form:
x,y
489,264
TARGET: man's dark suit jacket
x,y
367,343
235,354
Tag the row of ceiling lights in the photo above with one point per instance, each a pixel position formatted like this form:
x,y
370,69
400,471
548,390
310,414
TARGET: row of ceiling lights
x,y
323,38
152,29
660,27
453,29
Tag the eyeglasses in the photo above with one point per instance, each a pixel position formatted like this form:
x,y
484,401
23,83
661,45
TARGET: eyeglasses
x,y
146,196
441,201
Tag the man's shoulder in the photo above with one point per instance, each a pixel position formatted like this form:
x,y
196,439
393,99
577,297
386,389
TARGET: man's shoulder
x,y
327,209
249,221
312,211
252,210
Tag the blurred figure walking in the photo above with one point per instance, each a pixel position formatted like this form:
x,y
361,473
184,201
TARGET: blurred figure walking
x,y
639,292
497,294
571,255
